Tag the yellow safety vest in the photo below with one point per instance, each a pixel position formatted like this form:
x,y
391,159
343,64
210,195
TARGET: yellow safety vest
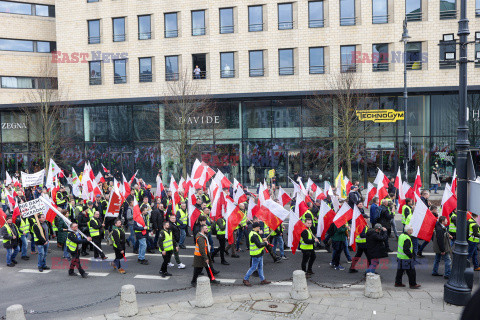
x,y
222,222
254,250
452,228
305,246
93,232
471,237
72,246
168,241
183,216
9,230
401,240
359,239
24,226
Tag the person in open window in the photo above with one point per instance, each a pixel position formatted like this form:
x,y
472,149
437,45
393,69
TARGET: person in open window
x,y
196,72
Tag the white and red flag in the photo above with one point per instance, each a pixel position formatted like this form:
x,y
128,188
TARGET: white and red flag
x,y
382,184
126,187
348,184
133,177
104,169
233,217
423,221
175,196
398,182
371,192
160,187
283,197
53,170
263,194
319,194
99,178
115,202
325,219
49,213
343,215
193,211
221,180
8,180
252,208
454,182
335,203
311,185
295,229
358,224
300,205
272,214
418,183
218,205
240,196
449,202
137,215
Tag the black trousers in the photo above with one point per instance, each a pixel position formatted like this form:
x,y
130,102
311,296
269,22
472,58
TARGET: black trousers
x,y
166,260
337,251
309,257
97,253
197,271
406,266
360,251
75,263
118,258
221,248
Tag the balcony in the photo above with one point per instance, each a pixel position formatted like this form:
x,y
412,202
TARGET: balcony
x,y
93,40
317,69
255,27
320,23
145,77
227,73
144,35
257,72
448,14
382,66
119,37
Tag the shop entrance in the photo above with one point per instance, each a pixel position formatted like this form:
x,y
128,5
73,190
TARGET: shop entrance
x,y
383,159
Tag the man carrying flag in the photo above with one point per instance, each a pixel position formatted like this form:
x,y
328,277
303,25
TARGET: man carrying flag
x,y
202,257
74,239
307,243
256,245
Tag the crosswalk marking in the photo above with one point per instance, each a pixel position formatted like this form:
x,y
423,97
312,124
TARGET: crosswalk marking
x,y
33,271
98,274
281,283
226,280
151,277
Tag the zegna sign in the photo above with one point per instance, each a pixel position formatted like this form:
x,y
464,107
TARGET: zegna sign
x,y
200,120
14,125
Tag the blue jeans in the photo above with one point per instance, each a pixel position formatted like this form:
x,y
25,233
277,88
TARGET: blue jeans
x,y
239,237
415,246
424,244
11,254
373,265
24,240
257,264
66,254
278,240
345,249
210,239
183,235
448,263
131,237
472,253
435,187
42,255
32,243
142,248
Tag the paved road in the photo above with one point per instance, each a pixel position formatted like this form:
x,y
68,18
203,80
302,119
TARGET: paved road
x,y
55,290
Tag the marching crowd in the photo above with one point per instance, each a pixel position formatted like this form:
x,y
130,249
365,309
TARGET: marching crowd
x,y
166,228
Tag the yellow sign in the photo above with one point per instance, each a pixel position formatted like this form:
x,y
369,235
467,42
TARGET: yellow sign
x,y
271,173
387,115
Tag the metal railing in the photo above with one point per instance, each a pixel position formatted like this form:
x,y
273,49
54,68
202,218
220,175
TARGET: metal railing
x,y
171,76
348,21
286,71
413,16
447,64
448,14
257,72
414,65
118,37
199,75
380,19
145,77
285,25
93,40
119,79
171,33
199,31
349,67
227,73
382,66
95,81
318,23
317,69
144,35
255,27
227,29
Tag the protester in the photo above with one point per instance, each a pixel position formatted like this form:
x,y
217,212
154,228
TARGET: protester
x,y
202,257
307,242
441,247
405,262
220,226
256,246
41,236
473,240
95,228
375,244
74,239
175,229
141,238
10,235
167,245
118,242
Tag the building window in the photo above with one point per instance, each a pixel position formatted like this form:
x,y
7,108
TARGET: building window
x,y
380,57
27,45
227,65
92,1
255,18
93,31
379,11
120,71
285,16
226,20
315,14
316,60
44,46
171,68
347,13
286,64
448,9
256,68
198,23
448,55
144,27
118,29
171,25
27,9
477,8
413,10
95,77
199,61
414,56
145,69
18,82
347,59
477,52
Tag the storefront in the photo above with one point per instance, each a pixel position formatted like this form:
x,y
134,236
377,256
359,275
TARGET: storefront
x,y
245,138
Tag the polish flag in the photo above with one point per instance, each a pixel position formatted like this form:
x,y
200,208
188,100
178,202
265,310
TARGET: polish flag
x,y
99,178
236,184
8,180
348,184
104,169
218,205
382,184
343,215
239,196
181,184
325,219
126,186
175,196
358,224
233,217
3,218
418,183
283,197
212,190
96,189
449,203
187,185
335,203
398,182
49,213
272,214
300,206
115,202
263,194
197,170
297,190
311,186
16,212
454,182
221,180
423,221
252,208
319,194
133,177
295,229
137,216
90,172
193,212
406,192
160,187
371,192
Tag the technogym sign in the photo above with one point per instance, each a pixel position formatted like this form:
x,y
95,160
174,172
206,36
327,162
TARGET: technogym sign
x,y
386,115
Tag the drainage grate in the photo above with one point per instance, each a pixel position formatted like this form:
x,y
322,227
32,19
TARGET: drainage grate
x,y
275,308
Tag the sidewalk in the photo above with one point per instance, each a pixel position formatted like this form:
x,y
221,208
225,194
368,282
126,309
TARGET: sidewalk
x,y
274,302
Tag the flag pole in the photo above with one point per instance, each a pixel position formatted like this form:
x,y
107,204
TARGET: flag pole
x,y
211,273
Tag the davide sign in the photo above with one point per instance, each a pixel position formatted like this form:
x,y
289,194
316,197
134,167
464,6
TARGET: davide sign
x,y
385,115
199,120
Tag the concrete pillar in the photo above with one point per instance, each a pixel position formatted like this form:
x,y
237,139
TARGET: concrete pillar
x,y
299,286
203,296
15,312
373,286
128,301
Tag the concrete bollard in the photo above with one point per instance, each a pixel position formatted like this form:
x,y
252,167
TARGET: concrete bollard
x,y
373,286
203,295
299,286
15,312
128,301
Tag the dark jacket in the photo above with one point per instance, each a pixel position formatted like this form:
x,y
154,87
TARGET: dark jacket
x,y
339,234
138,227
61,225
406,248
425,201
384,217
220,224
376,244
305,239
353,199
83,221
41,240
200,261
175,231
441,238
13,243
156,218
259,243
119,238
161,238
374,213
77,239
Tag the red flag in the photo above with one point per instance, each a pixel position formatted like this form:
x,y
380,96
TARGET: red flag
x,y
126,186
272,214
115,202
449,202
239,196
300,206
454,182
49,213
325,219
104,169
193,212
54,193
358,224
343,215
295,229
233,217
3,218
423,221
283,197
16,213
137,215
371,192
418,183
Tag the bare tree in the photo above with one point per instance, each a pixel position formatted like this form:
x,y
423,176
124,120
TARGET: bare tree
x,y
189,118
340,106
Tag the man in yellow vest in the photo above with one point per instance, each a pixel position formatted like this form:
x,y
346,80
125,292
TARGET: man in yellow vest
x,y
118,241
182,219
452,228
405,262
62,198
166,246
473,239
74,239
24,228
307,242
220,226
242,227
11,237
256,245
95,229
406,211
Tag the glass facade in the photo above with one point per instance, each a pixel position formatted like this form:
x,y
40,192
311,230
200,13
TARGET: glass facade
x,y
283,134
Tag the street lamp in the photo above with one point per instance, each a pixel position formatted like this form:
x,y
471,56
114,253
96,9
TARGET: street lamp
x,y
404,39
456,290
